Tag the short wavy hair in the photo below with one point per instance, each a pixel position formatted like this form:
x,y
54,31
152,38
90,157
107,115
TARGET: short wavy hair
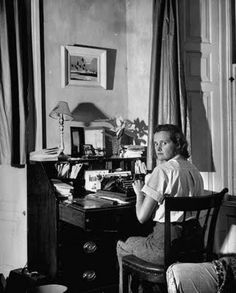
x,y
177,136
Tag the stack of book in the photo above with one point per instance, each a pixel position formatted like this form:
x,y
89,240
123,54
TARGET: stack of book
x,y
67,170
50,154
63,189
133,151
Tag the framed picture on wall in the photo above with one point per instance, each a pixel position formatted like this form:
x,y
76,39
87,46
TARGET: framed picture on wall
x,y
83,66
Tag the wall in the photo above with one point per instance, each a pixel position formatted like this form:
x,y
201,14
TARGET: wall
x,y
13,219
101,24
139,38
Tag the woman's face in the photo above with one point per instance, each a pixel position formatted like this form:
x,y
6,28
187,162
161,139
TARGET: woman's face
x,y
164,146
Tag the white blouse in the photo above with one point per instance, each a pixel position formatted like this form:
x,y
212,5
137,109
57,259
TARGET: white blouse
x,y
176,177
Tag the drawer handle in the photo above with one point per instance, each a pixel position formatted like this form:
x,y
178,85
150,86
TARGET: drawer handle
x,y
89,275
90,247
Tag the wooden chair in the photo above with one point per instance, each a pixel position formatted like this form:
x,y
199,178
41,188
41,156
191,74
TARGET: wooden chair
x,y
206,209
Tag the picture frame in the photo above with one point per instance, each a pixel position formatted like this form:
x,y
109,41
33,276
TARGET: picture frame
x,y
83,66
101,138
77,141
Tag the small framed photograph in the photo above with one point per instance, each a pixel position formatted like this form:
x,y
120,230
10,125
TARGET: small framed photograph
x,y
83,66
77,141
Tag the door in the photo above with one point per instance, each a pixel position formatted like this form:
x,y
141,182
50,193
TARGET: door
x,y
205,31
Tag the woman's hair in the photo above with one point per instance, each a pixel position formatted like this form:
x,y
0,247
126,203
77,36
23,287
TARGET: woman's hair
x,y
177,136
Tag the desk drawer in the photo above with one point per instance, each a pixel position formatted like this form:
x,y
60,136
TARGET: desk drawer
x,y
87,251
113,219
87,258
91,269
96,279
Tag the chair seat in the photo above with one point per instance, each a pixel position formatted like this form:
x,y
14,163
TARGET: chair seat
x,y
148,271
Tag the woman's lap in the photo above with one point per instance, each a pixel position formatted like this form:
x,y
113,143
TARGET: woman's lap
x,y
139,247
150,248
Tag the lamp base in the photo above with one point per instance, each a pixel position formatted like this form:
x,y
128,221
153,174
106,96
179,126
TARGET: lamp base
x,y
62,157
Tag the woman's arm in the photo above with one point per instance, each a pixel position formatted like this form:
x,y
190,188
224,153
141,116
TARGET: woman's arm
x,y
144,203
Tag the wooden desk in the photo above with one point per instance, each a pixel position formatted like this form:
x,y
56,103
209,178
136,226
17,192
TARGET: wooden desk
x,y
111,219
70,243
87,245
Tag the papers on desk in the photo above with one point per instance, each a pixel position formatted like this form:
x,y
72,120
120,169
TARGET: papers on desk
x,y
113,201
90,201
96,200
115,196
63,189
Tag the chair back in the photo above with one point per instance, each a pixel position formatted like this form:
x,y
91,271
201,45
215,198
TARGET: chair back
x,y
206,209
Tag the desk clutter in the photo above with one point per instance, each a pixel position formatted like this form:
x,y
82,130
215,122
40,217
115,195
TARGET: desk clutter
x,y
93,142
102,186
100,199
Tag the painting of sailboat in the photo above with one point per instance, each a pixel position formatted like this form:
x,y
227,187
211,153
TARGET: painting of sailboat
x,y
83,68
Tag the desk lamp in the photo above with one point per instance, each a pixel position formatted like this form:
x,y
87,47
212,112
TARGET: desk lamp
x,y
87,113
62,113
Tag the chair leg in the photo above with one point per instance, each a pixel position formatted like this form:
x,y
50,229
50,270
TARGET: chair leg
x,y
124,287
135,284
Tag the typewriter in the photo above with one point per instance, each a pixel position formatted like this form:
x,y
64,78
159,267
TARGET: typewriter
x,y
118,187
118,184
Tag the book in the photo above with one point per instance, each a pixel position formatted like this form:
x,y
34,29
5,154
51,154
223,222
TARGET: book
x,y
133,151
63,189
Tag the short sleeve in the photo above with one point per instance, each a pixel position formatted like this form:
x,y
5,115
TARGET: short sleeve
x,y
156,185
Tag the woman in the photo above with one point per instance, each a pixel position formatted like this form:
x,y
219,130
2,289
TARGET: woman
x,y
174,175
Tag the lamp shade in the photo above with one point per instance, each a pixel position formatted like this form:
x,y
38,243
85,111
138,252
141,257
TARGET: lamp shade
x,y
62,108
87,113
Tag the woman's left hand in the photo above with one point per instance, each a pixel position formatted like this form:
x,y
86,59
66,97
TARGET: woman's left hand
x,y
144,204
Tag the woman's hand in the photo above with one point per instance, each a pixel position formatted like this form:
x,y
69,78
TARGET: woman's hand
x,y
144,204
137,186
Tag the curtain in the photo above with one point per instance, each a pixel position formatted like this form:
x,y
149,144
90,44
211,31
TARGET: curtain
x,y
16,82
167,100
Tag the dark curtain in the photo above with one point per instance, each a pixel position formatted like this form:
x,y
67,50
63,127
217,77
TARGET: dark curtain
x,y
16,82
167,100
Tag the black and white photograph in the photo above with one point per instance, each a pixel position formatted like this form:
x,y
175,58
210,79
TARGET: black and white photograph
x,y
118,146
